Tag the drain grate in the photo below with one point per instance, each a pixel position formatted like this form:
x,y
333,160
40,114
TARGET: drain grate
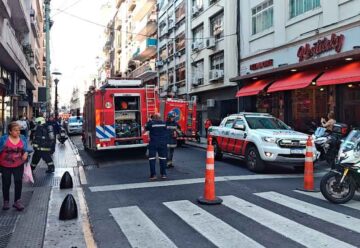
x,y
4,240
7,226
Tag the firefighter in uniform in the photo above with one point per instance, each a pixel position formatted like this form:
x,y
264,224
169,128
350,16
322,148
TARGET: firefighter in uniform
x,y
172,127
158,140
43,141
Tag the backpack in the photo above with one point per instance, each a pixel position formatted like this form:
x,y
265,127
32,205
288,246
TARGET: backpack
x,y
41,136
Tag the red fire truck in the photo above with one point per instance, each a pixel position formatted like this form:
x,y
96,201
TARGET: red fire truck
x,y
115,115
185,115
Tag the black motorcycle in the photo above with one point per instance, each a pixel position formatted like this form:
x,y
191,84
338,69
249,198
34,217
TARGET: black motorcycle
x,y
62,136
328,143
339,185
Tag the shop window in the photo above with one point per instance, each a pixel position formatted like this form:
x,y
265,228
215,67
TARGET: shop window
x,y
298,7
180,12
350,111
310,105
217,61
262,17
180,42
217,26
272,104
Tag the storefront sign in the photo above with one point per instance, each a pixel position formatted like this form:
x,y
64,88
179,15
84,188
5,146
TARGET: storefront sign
x,y
262,64
308,51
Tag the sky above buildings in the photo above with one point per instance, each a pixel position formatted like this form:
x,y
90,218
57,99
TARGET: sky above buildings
x,y
77,39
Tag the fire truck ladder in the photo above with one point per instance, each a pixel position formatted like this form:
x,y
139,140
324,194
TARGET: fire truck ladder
x,y
150,94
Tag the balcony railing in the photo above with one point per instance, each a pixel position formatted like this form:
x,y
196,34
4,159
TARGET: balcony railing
x,y
131,5
144,71
5,9
146,27
13,47
146,50
142,9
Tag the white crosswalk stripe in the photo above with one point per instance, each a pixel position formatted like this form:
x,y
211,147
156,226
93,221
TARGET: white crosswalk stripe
x,y
139,229
351,204
324,214
290,229
211,227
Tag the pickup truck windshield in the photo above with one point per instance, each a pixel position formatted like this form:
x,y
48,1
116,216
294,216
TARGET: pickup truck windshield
x,y
265,123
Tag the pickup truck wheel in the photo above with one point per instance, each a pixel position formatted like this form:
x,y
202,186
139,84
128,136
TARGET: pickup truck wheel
x,y
217,152
254,161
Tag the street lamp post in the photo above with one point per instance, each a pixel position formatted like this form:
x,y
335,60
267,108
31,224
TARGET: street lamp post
x,y
56,80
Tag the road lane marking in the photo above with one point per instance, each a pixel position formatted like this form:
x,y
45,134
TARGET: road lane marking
x,y
139,229
351,204
211,227
324,214
288,228
168,183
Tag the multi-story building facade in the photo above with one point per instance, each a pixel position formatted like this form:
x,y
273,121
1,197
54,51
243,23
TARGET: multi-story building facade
x,y
302,64
212,61
172,48
19,57
130,49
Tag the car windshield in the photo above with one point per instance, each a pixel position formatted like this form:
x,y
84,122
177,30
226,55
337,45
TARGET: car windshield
x,y
265,123
75,120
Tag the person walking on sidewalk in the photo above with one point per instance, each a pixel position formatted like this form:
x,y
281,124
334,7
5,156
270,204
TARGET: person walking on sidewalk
x,y
158,140
172,127
56,128
43,143
207,125
14,151
23,125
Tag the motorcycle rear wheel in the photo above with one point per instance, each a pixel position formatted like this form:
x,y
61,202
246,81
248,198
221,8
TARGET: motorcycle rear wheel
x,y
329,184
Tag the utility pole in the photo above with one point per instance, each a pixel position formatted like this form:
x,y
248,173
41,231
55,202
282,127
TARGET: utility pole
x,y
47,42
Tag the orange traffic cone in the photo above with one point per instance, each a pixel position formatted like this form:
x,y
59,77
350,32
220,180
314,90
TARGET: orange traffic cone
x,y
309,168
209,197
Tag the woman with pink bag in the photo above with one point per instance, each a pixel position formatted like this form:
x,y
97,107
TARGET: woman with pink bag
x,y
14,151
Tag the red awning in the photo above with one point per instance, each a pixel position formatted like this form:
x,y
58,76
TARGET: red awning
x,y
347,73
294,81
253,88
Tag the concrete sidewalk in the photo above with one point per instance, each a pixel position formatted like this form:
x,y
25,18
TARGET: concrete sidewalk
x,y
38,225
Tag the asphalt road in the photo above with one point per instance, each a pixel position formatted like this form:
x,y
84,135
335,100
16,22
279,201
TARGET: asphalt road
x,y
259,210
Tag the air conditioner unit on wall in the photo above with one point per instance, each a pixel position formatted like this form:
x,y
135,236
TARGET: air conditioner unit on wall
x,y
195,10
159,63
216,74
210,103
194,46
210,43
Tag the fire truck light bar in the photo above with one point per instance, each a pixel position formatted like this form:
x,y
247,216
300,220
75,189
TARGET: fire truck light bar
x,y
124,83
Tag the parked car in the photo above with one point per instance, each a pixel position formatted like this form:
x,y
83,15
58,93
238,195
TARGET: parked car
x,y
259,139
75,125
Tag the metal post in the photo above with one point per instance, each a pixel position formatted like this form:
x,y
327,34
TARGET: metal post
x,y
47,32
56,99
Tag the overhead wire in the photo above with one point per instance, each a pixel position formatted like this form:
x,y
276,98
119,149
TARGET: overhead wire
x,y
133,33
60,10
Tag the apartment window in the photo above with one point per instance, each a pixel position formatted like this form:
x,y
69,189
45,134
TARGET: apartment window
x,y
171,76
162,53
298,7
180,12
198,72
162,28
217,61
217,25
181,74
163,79
262,17
170,47
198,34
180,42
198,3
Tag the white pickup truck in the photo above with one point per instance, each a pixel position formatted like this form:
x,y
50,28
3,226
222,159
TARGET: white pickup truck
x,y
259,139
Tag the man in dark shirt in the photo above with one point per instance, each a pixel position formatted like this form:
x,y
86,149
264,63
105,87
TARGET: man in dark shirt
x,y
158,141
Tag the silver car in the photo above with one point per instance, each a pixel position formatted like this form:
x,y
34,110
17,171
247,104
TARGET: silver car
x,y
75,125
